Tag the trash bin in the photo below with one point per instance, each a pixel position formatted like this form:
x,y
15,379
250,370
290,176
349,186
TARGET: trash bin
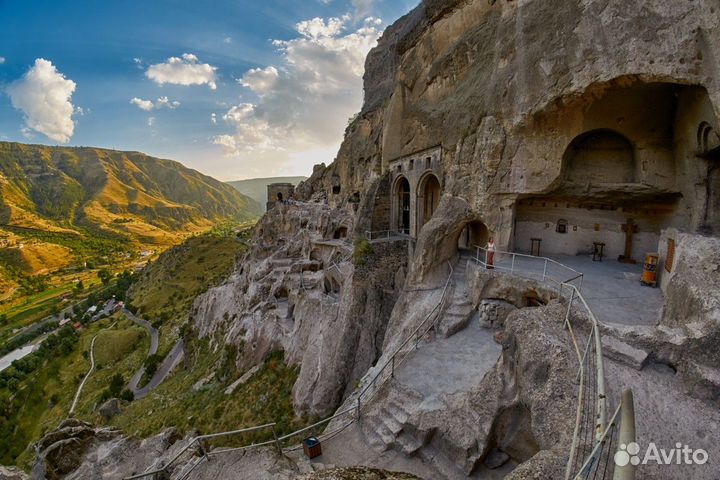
x,y
312,447
649,275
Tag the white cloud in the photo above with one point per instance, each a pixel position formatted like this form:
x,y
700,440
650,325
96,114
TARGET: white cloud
x,y
213,119
185,70
2,60
303,104
146,105
44,96
162,102
227,40
151,121
260,80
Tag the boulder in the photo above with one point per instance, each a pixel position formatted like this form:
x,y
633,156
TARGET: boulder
x,y
110,409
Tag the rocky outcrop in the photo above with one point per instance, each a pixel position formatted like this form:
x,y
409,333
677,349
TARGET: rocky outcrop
x,y
79,450
298,290
12,473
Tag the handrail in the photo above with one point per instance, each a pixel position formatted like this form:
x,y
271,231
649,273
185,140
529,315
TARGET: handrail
x,y
386,235
587,380
278,440
546,261
414,335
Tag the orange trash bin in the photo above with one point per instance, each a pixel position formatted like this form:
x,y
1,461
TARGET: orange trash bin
x,y
649,275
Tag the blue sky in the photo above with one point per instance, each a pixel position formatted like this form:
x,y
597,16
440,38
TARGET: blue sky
x,y
235,89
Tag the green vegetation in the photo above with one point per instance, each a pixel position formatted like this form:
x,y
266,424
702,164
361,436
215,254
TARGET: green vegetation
x,y
165,290
74,217
363,249
43,398
266,397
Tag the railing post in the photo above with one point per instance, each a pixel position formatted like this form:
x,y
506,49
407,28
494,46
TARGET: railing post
x,y
512,265
545,270
601,414
627,434
202,449
277,442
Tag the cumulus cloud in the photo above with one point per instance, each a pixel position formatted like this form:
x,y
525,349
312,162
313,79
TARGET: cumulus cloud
x,y
304,103
2,60
147,105
44,96
185,70
260,80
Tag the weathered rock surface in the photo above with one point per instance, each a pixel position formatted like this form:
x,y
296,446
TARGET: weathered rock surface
x,y
297,290
110,409
12,473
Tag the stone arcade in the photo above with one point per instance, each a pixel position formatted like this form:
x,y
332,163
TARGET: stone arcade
x,y
623,162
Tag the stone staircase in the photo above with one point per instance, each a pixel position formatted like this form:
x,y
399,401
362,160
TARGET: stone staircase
x,y
458,310
386,425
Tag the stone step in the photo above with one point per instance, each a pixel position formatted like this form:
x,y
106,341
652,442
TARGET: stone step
x,y
409,444
621,352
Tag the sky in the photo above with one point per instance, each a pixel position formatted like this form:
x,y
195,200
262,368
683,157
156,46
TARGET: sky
x,y
236,89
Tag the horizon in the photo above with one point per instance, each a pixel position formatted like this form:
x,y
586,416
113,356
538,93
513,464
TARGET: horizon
x,y
222,93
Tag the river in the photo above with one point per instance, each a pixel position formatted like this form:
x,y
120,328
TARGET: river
x,y
17,355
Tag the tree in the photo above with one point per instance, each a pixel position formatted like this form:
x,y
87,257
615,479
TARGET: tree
x,y
127,395
104,275
116,385
79,287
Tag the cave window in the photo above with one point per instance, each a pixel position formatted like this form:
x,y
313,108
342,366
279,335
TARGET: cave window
x,y
412,164
428,162
280,197
399,168
336,190
670,258
561,226
341,233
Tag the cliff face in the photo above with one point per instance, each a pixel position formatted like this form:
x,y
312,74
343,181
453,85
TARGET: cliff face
x,y
505,89
603,110
298,290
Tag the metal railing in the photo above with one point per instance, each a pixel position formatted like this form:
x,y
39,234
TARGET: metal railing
x,y
401,352
538,268
592,432
352,413
386,235
200,441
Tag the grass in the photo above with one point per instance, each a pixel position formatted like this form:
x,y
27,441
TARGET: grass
x,y
166,289
265,398
50,393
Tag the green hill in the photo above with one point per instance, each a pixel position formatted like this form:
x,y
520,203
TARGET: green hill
x,y
65,212
256,188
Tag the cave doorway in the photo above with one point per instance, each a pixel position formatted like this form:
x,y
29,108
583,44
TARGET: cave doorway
x,y
402,194
474,234
429,198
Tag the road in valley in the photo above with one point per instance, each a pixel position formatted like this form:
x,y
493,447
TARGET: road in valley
x,y
169,362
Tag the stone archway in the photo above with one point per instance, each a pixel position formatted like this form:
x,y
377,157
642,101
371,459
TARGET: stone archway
x,y
401,210
709,149
472,235
601,156
428,198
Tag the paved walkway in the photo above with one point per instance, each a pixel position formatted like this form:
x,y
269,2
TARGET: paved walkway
x,y
612,289
438,368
